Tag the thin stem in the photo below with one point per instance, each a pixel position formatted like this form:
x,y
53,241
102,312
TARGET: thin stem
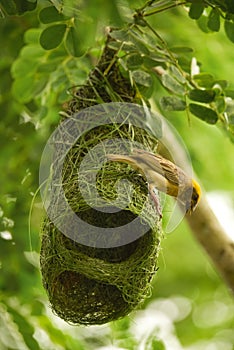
x,y
215,7
148,3
163,9
164,44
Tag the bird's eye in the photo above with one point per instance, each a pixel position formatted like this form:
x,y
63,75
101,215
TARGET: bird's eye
x,y
195,195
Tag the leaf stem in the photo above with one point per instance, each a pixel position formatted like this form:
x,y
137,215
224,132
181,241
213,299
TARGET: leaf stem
x,y
150,13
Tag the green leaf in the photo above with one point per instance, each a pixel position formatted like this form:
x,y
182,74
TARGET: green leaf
x,y
204,113
140,44
17,7
172,103
52,36
57,55
25,327
74,43
202,23
22,68
230,6
9,7
142,78
34,52
37,305
196,10
157,344
79,39
213,22
204,80
220,104
181,49
149,62
157,57
121,35
221,83
22,89
178,75
32,36
47,67
153,61
29,87
115,45
153,343
229,30
199,95
134,61
171,84
24,6
50,14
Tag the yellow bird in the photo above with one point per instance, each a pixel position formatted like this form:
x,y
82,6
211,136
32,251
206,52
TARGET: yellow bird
x,y
163,175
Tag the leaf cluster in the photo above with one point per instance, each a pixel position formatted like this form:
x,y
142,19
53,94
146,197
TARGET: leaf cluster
x,y
52,60
70,29
210,13
16,7
43,77
146,59
55,59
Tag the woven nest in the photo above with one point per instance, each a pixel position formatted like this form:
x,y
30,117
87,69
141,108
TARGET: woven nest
x,y
88,284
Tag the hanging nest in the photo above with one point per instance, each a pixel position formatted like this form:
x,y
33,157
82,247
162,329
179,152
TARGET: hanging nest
x,y
88,284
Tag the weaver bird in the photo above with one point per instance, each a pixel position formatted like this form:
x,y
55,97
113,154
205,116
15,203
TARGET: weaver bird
x,y
163,175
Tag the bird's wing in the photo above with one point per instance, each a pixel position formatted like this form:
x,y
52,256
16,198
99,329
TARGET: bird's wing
x,y
162,166
123,158
146,163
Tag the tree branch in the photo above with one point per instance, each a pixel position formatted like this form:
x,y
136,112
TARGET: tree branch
x,y
210,234
204,224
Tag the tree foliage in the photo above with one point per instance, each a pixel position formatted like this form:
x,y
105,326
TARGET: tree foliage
x,y
53,52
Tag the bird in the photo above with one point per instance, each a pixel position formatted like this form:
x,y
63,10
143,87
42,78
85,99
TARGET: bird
x,y
162,175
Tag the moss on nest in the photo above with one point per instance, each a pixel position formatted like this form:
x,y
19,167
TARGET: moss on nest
x,y
86,284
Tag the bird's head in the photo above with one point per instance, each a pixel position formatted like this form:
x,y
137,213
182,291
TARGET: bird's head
x,y
194,197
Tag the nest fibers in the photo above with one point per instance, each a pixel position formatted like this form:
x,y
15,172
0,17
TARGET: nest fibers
x,y
88,283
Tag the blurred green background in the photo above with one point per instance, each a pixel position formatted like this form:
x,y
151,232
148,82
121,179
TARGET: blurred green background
x,y
190,306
